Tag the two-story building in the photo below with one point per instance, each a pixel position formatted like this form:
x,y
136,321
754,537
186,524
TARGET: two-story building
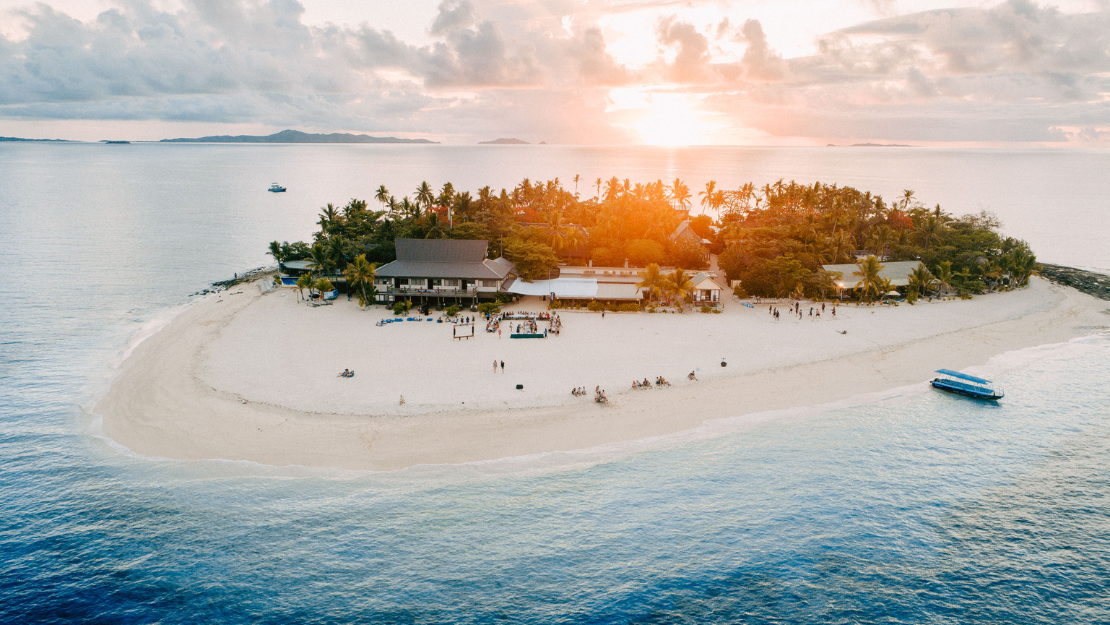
x,y
442,271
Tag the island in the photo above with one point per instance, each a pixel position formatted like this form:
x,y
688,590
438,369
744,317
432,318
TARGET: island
x,y
18,139
532,321
296,136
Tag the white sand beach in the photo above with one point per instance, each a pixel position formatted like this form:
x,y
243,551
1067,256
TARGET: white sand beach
x,y
247,376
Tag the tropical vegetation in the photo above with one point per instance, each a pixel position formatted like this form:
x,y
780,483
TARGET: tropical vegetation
x,y
774,239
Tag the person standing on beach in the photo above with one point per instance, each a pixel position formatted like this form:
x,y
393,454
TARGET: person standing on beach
x,y
495,366
502,366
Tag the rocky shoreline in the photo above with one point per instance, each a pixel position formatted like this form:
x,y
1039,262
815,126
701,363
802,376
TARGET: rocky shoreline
x,y
240,278
1088,282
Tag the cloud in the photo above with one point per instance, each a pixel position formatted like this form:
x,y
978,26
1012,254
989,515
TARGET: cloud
x,y
1014,71
760,62
692,60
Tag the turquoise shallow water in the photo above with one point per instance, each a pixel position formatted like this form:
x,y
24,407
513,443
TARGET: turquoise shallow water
x,y
917,507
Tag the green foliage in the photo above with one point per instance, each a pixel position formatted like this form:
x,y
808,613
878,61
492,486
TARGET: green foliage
x,y
305,281
504,298
702,226
688,254
451,310
533,260
629,307
651,280
595,306
604,257
776,237
740,292
399,308
488,308
869,285
360,278
642,252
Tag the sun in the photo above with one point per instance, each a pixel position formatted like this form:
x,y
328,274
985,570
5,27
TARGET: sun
x,y
672,119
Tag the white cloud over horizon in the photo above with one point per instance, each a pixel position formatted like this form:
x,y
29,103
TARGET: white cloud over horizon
x,y
564,71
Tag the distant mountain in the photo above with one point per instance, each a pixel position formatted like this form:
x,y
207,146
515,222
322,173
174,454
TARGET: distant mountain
x,y
296,136
504,142
19,139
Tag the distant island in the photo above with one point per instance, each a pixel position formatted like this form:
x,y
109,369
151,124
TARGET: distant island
x,y
296,136
872,145
504,141
21,139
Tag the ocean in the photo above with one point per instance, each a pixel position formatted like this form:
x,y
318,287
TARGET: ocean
x,y
907,507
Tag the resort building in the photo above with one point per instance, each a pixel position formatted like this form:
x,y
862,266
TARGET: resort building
x,y
685,235
618,285
442,270
898,272
587,283
706,291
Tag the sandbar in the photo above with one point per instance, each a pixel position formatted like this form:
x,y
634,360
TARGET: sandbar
x,y
252,375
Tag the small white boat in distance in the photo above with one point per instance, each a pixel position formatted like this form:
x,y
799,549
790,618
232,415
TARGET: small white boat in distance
x,y
276,188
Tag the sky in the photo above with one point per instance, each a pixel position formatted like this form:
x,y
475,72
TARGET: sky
x,y
609,72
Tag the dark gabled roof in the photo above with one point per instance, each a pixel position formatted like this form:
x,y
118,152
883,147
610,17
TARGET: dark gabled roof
x,y
486,269
441,250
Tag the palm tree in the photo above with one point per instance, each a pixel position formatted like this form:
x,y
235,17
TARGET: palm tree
x,y
880,236
717,202
707,195
921,279
305,281
555,230
424,195
409,208
275,251
680,194
944,275
907,197
678,285
869,269
930,228
359,274
597,183
323,285
651,281
576,178
382,194
319,259
885,286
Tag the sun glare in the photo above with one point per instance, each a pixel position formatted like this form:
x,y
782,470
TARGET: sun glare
x,y
671,119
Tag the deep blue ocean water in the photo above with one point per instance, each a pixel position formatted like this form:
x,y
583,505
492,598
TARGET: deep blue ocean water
x,y
913,507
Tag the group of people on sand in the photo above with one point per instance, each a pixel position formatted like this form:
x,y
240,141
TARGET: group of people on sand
x,y
660,382
599,394
529,323
796,310
347,373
